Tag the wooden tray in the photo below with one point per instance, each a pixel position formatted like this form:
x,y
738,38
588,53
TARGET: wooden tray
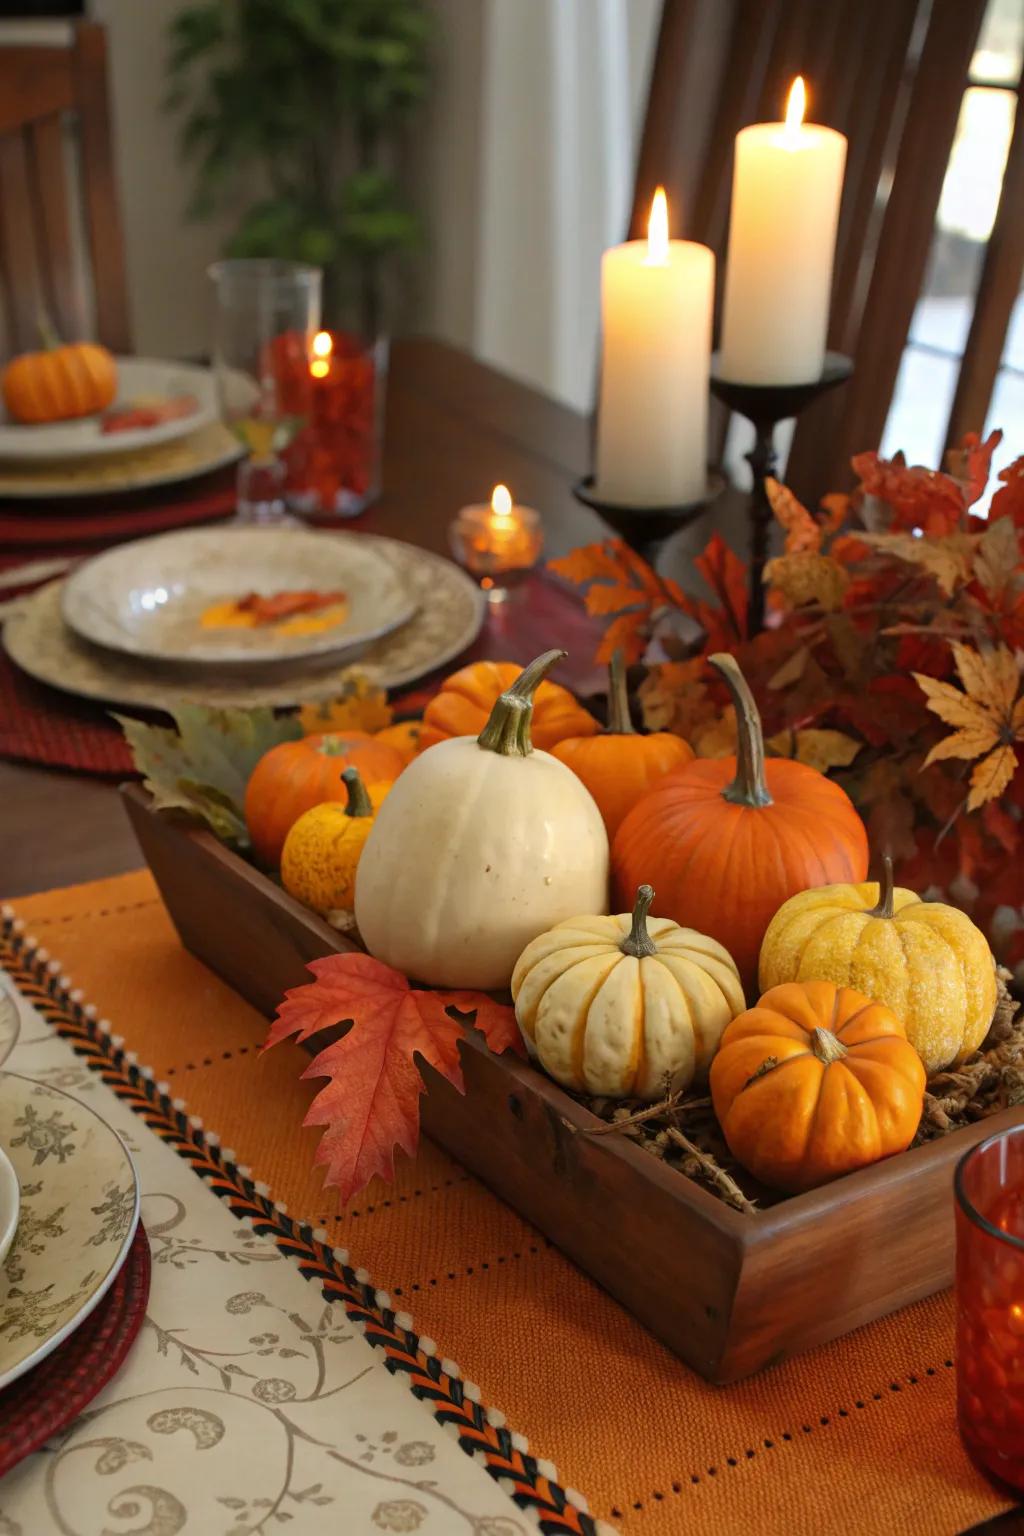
x,y
727,1292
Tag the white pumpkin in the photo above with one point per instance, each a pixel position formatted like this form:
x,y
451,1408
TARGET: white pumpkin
x,y
481,844
624,1008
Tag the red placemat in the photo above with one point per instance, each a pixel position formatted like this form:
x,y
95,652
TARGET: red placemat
x,y
48,1398
77,525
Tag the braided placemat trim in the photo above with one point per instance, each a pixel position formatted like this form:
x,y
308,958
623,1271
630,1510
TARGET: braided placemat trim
x,y
455,1403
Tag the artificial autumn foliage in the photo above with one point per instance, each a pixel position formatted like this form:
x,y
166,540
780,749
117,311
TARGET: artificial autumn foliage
x,y
371,1103
891,658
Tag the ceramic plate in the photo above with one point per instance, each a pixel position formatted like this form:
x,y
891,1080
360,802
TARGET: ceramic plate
x,y
200,453
79,1211
138,379
447,621
148,598
10,1199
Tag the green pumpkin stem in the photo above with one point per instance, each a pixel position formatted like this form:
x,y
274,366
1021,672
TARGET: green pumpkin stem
x,y
359,802
638,941
826,1046
885,906
47,331
619,721
749,787
507,732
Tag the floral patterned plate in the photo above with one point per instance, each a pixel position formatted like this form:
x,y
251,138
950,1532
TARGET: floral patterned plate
x,y
79,1211
10,1200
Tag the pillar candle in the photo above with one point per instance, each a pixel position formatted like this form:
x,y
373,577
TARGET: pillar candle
x,y
656,303
786,189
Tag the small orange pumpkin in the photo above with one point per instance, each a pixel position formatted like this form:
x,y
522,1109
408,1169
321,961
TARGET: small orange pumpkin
x,y
463,704
725,841
404,736
816,1081
296,775
619,765
79,379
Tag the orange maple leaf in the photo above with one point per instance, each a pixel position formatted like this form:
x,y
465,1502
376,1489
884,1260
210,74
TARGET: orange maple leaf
x,y
987,716
371,1103
919,498
802,532
1009,502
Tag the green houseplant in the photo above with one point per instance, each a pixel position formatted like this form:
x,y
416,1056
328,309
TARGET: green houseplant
x,y
309,98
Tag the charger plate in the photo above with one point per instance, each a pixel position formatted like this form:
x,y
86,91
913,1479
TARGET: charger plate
x,y
79,1211
450,611
48,1398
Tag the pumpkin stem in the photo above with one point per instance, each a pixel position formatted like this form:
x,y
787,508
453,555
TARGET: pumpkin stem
x,y
885,906
638,941
619,722
359,802
507,731
749,787
826,1046
47,331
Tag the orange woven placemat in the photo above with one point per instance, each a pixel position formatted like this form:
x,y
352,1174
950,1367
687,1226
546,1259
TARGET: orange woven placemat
x,y
859,1435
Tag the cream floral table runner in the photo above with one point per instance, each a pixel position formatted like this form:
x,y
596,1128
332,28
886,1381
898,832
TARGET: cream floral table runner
x,y
246,1405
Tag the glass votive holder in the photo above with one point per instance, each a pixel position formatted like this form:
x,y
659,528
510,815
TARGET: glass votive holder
x,y
989,1185
498,544
334,463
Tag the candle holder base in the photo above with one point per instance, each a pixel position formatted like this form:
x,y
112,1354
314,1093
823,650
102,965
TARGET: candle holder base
x,y
645,529
765,405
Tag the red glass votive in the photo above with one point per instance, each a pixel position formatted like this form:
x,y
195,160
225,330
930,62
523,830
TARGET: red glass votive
x,y
334,463
989,1184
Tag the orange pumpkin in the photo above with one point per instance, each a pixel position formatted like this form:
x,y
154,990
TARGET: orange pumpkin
x,y
726,841
404,736
296,775
619,765
816,1081
63,382
463,704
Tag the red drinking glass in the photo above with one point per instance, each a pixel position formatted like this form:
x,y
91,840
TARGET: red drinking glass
x,y
334,463
989,1184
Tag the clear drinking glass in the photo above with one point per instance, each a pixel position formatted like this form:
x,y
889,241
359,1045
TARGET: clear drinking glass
x,y
989,1184
267,313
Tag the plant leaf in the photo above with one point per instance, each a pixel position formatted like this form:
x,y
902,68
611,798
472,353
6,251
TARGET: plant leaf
x,y
998,556
991,776
992,677
802,532
204,766
821,749
361,705
370,1106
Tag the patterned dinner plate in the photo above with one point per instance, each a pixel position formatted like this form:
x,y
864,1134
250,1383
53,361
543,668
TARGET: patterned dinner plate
x,y
450,610
79,1211
10,1200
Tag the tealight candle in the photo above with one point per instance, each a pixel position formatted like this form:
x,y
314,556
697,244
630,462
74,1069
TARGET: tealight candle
x,y
497,542
989,1187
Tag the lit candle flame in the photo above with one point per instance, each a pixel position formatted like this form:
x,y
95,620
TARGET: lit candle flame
x,y
323,346
501,503
796,106
657,231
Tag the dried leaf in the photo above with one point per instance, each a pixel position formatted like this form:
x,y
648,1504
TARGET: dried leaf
x,y
971,463
918,497
807,577
360,706
991,776
821,749
802,532
956,708
998,557
718,738
203,767
627,633
725,620
1009,502
590,562
792,670
992,678
370,1106
674,697
604,598
949,559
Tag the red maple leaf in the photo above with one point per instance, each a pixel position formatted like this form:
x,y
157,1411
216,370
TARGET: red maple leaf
x,y
919,498
1009,502
724,621
371,1103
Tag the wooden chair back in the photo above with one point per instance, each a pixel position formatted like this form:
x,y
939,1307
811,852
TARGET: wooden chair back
x,y
890,74
41,261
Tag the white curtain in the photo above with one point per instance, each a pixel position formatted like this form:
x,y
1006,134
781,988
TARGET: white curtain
x,y
563,91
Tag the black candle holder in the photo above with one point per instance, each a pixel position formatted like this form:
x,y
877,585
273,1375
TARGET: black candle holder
x,y
765,405
645,529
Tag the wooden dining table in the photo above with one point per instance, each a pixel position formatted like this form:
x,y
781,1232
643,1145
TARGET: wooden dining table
x,y
455,427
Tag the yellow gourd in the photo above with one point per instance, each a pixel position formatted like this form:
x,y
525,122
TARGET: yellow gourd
x,y
924,960
322,851
623,1007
